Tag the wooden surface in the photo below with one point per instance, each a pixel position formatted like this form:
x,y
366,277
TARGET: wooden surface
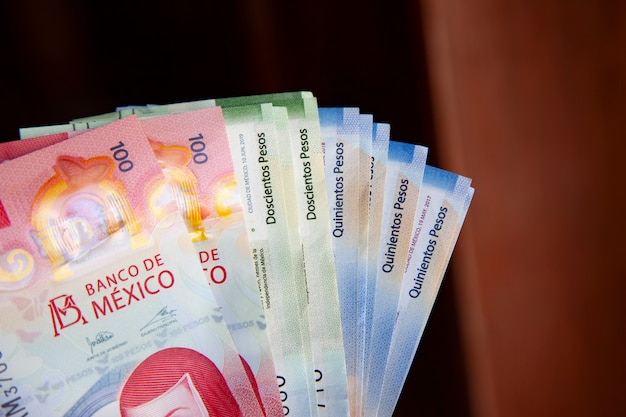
x,y
529,100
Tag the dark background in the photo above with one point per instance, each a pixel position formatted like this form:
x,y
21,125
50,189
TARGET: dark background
x,y
528,98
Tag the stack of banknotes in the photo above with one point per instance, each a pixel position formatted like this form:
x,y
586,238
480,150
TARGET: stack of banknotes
x,y
251,256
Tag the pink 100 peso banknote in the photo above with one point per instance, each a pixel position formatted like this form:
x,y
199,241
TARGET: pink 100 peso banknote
x,y
194,153
105,308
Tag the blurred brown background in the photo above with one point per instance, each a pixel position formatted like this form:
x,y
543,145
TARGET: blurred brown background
x,y
525,97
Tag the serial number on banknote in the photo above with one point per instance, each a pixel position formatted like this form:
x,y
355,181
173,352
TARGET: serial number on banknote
x,y
11,402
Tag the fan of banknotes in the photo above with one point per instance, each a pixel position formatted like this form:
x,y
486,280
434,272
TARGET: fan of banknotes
x,y
250,256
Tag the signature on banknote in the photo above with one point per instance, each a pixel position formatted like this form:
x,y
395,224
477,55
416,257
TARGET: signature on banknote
x,y
100,338
162,316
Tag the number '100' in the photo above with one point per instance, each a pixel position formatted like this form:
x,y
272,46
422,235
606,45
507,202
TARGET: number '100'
x,y
120,154
197,147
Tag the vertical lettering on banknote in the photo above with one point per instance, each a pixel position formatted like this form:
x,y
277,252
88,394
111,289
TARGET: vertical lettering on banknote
x,y
197,147
120,154
394,236
307,175
422,268
14,405
283,393
318,378
338,208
